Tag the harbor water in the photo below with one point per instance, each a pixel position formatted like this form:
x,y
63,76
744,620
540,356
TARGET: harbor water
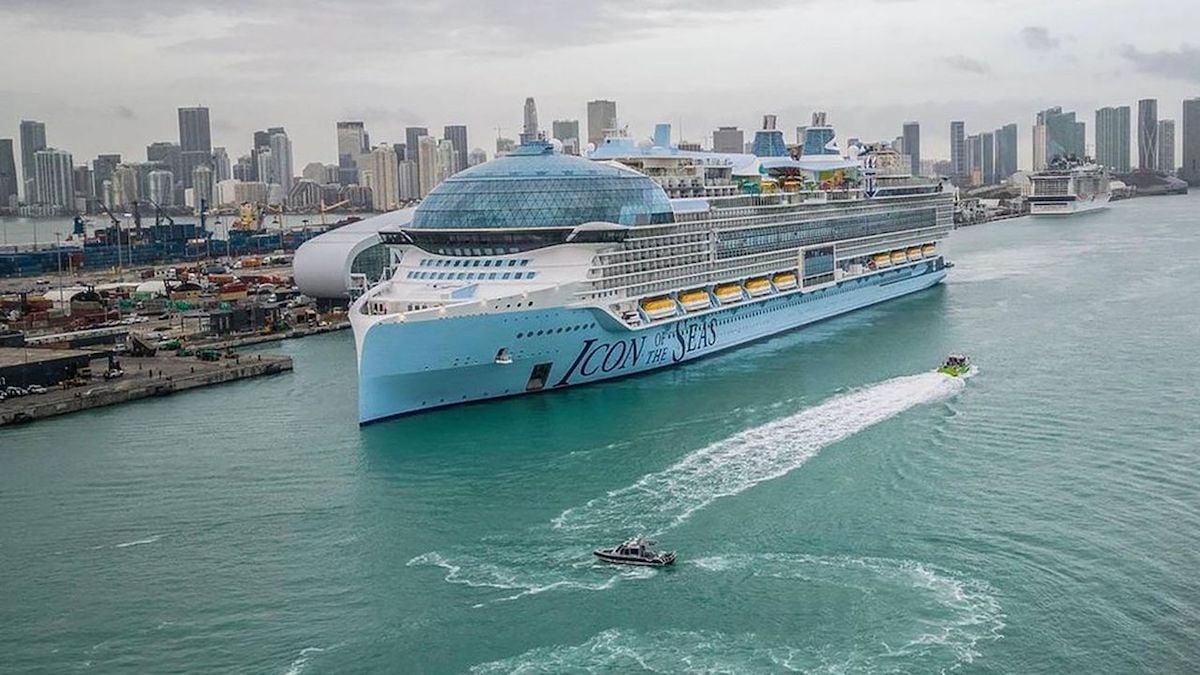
x,y
836,506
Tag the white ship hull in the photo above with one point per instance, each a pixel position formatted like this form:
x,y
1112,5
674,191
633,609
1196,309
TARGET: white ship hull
x,y
1068,208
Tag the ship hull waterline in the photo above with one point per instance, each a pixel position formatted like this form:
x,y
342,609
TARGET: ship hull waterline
x,y
411,367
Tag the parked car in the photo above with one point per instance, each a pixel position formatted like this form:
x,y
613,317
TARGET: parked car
x,y
36,389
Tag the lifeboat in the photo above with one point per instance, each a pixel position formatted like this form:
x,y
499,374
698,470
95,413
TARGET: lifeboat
x,y
882,260
727,293
784,281
928,249
757,287
695,300
898,257
914,253
658,308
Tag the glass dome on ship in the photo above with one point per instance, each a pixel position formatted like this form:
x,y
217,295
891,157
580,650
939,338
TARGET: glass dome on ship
x,y
534,187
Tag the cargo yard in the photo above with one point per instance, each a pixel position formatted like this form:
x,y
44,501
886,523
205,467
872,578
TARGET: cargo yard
x,y
91,338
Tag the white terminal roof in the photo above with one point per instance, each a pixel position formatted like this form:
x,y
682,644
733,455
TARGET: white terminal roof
x,y
321,266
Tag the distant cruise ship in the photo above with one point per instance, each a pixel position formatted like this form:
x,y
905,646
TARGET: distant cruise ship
x,y
538,270
1068,187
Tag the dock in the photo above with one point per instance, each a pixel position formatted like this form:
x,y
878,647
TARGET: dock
x,y
143,377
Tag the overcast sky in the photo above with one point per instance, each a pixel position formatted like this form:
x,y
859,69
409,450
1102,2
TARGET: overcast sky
x,y
107,75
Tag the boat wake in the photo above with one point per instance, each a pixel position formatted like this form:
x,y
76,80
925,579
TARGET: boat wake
x,y
558,556
946,617
139,542
662,500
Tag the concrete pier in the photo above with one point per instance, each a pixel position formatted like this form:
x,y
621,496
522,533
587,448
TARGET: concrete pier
x,y
144,377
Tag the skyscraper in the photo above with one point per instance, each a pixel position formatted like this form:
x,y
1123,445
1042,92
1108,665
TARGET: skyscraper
x,y
33,138
601,116
1166,146
385,178
1006,152
1056,135
203,187
162,187
265,169
168,154
195,143
427,150
987,142
195,133
1148,134
102,173
912,145
662,135
412,149
1190,171
529,131
1112,138
457,135
958,151
281,154
8,173
54,176
351,144
974,160
729,140
220,165
567,131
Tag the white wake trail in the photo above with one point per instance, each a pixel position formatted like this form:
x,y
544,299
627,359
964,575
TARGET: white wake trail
x,y
662,500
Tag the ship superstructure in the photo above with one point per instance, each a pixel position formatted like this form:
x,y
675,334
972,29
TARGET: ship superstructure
x,y
1067,187
539,270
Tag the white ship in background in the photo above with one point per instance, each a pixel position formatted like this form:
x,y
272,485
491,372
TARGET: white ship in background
x,y
1069,186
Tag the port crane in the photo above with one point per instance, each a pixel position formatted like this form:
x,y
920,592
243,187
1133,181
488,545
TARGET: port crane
x,y
326,208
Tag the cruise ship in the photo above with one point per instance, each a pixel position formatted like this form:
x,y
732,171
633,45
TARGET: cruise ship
x,y
540,270
1067,187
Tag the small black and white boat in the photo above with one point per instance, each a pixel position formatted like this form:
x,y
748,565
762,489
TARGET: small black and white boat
x,y
636,551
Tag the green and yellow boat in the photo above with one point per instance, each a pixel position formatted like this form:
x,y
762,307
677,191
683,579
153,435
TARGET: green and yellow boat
x,y
956,365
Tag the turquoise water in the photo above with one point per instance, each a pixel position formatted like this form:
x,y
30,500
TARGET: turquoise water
x,y
836,507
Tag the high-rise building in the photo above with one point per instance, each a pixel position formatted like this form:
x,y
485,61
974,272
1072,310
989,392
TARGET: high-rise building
x,y
220,165
427,170
1190,171
102,170
265,171
958,151
126,186
729,140
601,117
912,145
504,146
974,160
162,187
33,138
244,170
168,154
203,187
195,133
54,176
445,160
1112,138
406,176
1057,135
281,154
352,143
9,181
1148,134
567,132
1166,146
529,130
385,178
314,171
1006,152
195,143
85,189
411,149
987,142
457,135
476,157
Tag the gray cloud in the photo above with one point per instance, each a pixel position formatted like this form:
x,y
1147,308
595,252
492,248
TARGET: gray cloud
x,y
1039,38
967,64
124,112
1181,64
